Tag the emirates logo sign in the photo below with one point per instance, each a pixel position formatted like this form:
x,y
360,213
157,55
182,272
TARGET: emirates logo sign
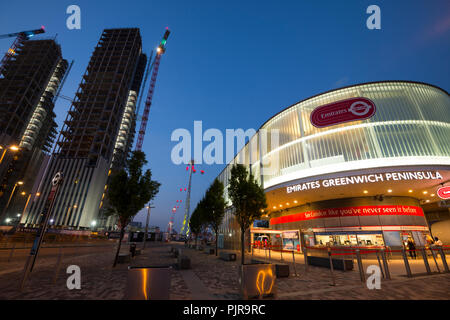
x,y
342,111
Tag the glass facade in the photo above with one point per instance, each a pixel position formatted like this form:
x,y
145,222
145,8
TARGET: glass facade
x,y
410,127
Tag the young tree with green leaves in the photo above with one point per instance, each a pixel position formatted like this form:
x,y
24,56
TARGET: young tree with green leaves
x,y
129,190
215,206
196,221
248,200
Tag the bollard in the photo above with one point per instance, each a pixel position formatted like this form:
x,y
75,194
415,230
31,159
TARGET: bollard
x,y
270,257
379,264
293,257
305,256
360,266
252,247
12,252
425,260
281,252
331,267
444,261
407,267
58,265
434,258
265,252
293,262
385,264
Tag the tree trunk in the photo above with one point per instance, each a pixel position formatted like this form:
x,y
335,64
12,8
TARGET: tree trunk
x,y
242,246
217,238
122,232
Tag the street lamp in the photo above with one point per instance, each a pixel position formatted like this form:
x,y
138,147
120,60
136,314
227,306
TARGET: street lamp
x,y
146,225
13,148
68,217
18,183
37,194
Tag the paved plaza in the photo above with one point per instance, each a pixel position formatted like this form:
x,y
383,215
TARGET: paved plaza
x,y
208,278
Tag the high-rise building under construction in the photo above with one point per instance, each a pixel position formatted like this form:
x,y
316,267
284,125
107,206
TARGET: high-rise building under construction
x,y
29,80
98,132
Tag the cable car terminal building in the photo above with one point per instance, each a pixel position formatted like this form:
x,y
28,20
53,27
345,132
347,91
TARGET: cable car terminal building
x,y
360,165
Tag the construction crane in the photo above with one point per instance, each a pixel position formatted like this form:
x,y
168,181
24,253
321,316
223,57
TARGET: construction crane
x,y
21,37
159,52
28,34
185,227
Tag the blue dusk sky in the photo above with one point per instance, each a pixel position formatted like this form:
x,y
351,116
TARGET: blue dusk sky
x,y
234,64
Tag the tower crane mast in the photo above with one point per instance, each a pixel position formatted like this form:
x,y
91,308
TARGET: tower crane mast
x,y
148,102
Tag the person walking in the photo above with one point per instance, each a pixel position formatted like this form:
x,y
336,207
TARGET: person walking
x,y
412,249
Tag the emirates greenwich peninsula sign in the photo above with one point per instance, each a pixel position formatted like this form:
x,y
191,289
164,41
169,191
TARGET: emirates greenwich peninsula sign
x,y
365,178
342,111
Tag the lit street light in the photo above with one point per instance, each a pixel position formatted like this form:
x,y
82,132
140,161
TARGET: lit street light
x,y
11,195
13,148
146,225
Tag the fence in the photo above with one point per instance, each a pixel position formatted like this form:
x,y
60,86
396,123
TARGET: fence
x,y
402,261
26,239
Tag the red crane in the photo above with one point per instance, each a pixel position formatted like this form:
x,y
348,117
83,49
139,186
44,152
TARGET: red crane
x,y
148,102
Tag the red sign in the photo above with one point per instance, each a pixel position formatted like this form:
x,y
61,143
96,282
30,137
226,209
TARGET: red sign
x,y
342,111
349,212
444,192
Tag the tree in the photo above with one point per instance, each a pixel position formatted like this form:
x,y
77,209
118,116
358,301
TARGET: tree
x,y
248,200
197,219
215,207
128,191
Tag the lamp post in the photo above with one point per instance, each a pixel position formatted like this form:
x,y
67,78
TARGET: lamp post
x,y
36,194
68,217
3,153
13,148
18,183
20,215
146,225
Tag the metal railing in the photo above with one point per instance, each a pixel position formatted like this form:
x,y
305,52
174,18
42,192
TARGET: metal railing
x,y
382,256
